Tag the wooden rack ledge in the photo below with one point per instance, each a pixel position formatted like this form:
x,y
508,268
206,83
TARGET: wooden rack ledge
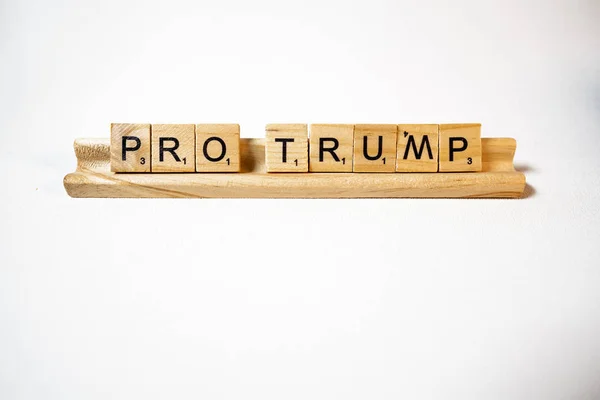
x,y
93,178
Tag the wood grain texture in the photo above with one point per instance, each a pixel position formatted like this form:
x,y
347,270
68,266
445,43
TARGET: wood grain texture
x,y
217,148
417,148
181,139
136,136
375,148
295,158
344,148
93,178
469,159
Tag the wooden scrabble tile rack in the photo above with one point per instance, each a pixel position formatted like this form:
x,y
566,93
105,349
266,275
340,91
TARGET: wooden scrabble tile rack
x,y
93,178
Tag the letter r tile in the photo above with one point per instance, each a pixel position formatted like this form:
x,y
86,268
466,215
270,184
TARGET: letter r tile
x,y
331,148
173,148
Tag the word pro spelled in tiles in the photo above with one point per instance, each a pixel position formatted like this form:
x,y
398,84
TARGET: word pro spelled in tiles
x,y
417,149
217,148
460,148
375,148
286,148
173,148
331,148
130,148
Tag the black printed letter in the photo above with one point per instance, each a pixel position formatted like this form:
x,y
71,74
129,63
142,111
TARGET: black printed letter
x,y
379,150
162,148
331,149
284,142
418,154
453,149
223,149
125,149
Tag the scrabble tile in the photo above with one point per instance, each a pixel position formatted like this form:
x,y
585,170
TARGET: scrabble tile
x,y
417,148
173,148
130,148
286,148
217,148
379,154
460,147
331,148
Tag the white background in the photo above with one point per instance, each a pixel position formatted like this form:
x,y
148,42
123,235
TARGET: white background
x,y
297,299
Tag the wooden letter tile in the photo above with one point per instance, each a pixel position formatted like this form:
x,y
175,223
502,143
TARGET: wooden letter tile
x,y
217,148
331,148
286,148
130,148
417,149
460,148
375,148
173,148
